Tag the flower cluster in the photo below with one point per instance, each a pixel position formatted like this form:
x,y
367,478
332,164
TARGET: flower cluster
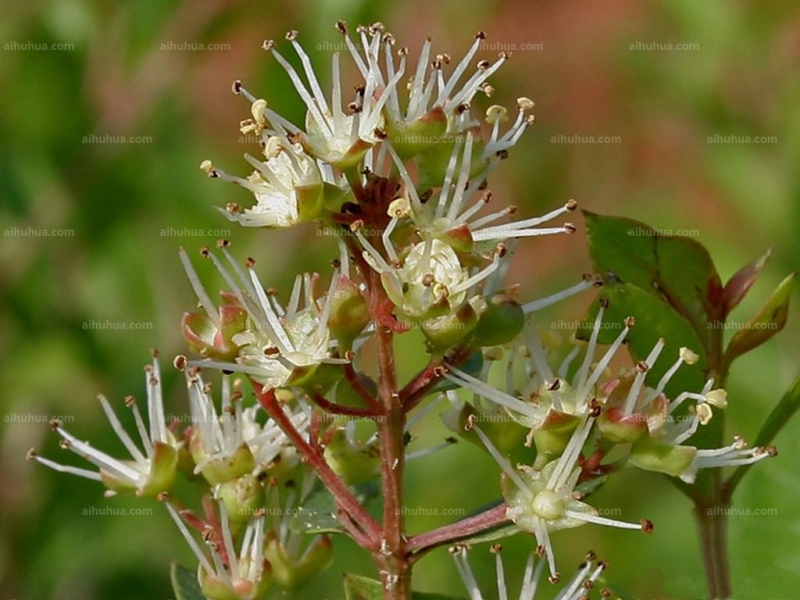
x,y
253,474
400,172
575,422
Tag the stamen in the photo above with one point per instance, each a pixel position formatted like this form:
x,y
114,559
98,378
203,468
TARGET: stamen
x,y
85,473
501,575
503,462
121,433
601,366
199,290
598,520
459,554
476,386
583,372
557,297
638,382
199,554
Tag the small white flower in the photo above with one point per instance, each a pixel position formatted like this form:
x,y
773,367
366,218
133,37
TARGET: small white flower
x,y
331,135
244,574
543,501
428,87
288,187
430,281
735,455
233,436
551,392
456,211
149,472
279,344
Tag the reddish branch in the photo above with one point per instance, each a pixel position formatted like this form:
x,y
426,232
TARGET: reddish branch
x,y
355,384
360,524
340,409
424,542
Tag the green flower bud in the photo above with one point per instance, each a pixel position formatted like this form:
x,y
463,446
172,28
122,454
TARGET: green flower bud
x,y
446,331
353,461
553,437
619,429
242,497
662,458
501,321
349,312
214,588
506,435
208,339
293,573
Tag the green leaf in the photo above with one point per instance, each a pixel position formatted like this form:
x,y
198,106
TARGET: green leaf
x,y
769,320
780,415
357,587
184,583
318,513
679,270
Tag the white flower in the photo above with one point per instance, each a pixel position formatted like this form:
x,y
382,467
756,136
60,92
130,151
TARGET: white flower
x,y
242,575
429,87
232,439
543,501
456,210
288,187
331,135
280,345
149,472
551,393
574,589
735,455
430,281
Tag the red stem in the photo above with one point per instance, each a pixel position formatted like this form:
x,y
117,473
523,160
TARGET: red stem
x,y
393,558
355,384
460,529
416,389
360,519
419,387
340,409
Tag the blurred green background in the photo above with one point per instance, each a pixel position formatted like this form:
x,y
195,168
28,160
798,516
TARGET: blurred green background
x,y
91,225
